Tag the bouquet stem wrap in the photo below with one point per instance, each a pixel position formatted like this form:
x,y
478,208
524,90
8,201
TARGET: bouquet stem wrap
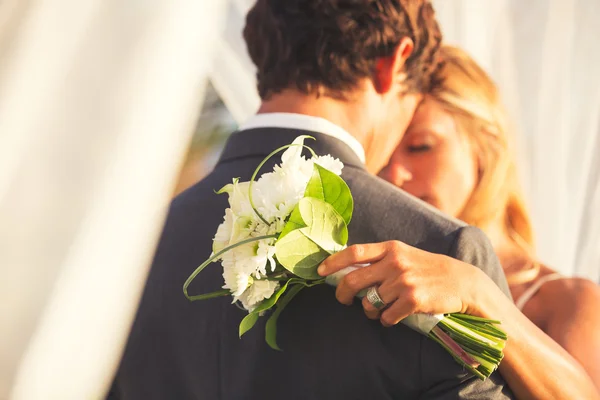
x,y
475,343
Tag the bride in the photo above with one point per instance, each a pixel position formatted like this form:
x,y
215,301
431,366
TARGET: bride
x,y
457,155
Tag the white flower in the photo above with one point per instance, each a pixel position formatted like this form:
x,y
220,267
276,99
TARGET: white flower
x,y
238,266
223,236
232,230
293,154
282,186
278,192
239,200
235,281
332,164
257,292
265,254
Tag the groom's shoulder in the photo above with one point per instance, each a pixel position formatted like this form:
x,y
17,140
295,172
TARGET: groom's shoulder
x,y
395,214
383,212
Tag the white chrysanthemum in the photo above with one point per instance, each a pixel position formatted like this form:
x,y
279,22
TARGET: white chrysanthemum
x,y
280,187
265,254
332,164
235,281
238,266
257,292
278,192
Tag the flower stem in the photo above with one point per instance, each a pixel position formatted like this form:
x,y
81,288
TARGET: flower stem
x,y
278,275
476,343
213,258
212,295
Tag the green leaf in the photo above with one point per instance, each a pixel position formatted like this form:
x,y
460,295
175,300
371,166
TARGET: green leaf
x,y
250,319
270,302
295,222
474,318
248,322
327,186
301,250
325,226
271,326
300,255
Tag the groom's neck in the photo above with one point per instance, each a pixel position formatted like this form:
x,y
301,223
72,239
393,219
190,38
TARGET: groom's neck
x,y
352,115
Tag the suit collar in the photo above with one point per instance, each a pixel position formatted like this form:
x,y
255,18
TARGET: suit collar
x,y
259,142
306,123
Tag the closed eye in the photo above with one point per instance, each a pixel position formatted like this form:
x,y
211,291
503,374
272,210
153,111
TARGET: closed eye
x,y
419,149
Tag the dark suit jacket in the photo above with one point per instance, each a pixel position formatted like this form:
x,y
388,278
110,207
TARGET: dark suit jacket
x,y
183,350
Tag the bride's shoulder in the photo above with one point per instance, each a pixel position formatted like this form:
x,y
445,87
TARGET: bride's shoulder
x,y
569,288
570,299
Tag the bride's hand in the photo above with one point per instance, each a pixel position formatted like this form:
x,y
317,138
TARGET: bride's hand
x,y
408,280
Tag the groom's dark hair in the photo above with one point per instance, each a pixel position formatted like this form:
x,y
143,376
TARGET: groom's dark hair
x,y
329,45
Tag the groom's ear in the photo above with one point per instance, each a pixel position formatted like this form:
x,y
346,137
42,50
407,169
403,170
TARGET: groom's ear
x,y
389,71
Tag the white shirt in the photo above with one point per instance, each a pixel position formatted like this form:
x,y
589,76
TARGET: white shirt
x,y
307,123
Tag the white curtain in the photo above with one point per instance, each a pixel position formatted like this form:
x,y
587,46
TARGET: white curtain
x,y
544,56
98,100
233,72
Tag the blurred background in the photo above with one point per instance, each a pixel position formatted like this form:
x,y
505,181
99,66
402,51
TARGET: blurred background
x,y
214,125
109,108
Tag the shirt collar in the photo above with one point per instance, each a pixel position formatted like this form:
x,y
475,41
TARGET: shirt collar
x,y
307,123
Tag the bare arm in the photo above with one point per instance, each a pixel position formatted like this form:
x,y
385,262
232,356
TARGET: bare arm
x,y
577,324
414,281
535,365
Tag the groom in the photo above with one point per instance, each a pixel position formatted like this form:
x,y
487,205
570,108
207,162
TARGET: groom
x,y
349,73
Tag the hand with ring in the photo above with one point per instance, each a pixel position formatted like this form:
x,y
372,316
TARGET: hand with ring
x,y
403,280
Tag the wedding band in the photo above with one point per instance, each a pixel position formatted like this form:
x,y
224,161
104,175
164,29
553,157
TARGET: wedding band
x,y
374,298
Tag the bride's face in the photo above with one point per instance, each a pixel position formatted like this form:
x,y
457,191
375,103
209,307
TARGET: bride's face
x,y
434,162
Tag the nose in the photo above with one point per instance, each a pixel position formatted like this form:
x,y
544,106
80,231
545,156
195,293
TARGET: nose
x,y
396,173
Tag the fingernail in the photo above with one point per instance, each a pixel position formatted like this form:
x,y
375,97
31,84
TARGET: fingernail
x,y
321,270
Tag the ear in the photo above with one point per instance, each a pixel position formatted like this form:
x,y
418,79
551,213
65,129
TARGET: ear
x,y
389,70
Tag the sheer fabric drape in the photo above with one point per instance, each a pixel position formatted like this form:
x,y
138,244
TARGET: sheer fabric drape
x,y
543,55
98,101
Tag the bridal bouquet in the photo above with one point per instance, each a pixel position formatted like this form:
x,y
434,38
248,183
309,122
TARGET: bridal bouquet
x,y
280,227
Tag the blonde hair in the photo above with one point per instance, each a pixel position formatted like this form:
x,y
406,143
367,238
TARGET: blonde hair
x,y
471,97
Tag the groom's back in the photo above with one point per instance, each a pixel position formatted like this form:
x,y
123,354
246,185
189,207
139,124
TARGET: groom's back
x,y
312,50
184,350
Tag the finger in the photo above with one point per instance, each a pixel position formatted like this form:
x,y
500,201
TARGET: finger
x,y
362,278
355,254
370,311
399,310
388,295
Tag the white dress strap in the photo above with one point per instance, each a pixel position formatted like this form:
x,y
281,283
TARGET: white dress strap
x,y
533,289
